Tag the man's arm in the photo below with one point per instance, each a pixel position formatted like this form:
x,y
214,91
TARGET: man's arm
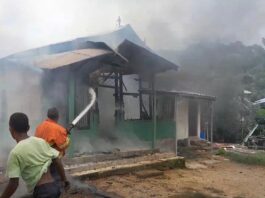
x,y
11,188
61,139
59,166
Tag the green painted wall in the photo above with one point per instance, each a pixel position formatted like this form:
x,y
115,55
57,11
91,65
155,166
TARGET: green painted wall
x,y
143,129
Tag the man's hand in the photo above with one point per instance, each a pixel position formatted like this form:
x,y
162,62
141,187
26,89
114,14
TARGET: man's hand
x,y
60,170
66,185
11,188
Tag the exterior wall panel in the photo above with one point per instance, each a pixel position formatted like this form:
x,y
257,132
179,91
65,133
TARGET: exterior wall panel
x,y
182,119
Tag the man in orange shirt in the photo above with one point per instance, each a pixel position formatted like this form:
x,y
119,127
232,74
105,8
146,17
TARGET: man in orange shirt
x,y
52,132
55,135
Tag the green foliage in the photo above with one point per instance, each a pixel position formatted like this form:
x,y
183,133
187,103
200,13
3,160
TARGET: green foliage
x,y
221,152
250,159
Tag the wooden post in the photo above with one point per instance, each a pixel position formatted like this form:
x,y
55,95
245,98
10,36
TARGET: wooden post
x,y
207,130
198,119
176,132
71,99
140,98
121,102
211,129
151,96
71,109
154,112
96,112
116,95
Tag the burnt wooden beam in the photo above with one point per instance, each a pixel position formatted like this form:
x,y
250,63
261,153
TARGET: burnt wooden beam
x,y
121,101
106,86
131,94
116,95
140,98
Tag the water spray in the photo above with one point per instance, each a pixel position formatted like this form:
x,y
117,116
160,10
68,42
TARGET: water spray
x,y
84,112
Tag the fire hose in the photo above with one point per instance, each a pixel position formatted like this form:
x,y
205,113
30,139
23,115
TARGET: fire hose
x,y
84,112
92,93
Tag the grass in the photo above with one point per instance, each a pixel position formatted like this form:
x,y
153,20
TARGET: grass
x,y
249,159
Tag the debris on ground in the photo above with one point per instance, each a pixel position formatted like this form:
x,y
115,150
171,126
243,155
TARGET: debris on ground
x,y
222,179
88,191
223,146
148,173
195,165
205,176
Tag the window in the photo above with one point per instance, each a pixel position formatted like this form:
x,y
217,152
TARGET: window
x,y
165,107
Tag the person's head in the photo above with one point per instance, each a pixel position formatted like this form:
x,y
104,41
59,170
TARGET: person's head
x,y
18,124
53,114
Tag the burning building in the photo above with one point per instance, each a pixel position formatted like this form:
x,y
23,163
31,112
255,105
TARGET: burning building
x,y
122,70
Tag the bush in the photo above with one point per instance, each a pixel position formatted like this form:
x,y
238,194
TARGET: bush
x,y
221,152
250,159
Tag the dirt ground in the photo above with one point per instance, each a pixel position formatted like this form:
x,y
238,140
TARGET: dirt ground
x,y
202,179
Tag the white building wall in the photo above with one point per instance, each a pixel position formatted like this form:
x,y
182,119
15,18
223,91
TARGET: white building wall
x,y
182,118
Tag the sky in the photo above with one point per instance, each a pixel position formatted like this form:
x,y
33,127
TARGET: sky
x,y
163,24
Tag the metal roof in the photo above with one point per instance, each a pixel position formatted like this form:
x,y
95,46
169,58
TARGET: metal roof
x,y
115,38
110,41
55,56
130,47
143,60
58,60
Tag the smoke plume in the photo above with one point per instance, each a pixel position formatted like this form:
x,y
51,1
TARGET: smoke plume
x,y
169,24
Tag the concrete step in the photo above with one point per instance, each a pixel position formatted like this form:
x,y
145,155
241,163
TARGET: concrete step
x,y
160,164
114,155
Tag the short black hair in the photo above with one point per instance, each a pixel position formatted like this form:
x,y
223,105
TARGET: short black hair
x,y
53,113
19,122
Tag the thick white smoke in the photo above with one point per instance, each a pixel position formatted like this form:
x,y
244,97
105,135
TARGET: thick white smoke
x,y
20,92
168,25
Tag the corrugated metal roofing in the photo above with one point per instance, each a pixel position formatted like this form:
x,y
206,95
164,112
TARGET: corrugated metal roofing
x,y
63,54
142,60
140,57
58,60
112,39
115,38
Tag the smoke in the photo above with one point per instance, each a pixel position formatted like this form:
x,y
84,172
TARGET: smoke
x,y
20,192
19,92
109,137
122,142
169,25
224,71
175,24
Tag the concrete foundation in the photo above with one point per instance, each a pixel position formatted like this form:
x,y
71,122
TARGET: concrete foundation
x,y
104,168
